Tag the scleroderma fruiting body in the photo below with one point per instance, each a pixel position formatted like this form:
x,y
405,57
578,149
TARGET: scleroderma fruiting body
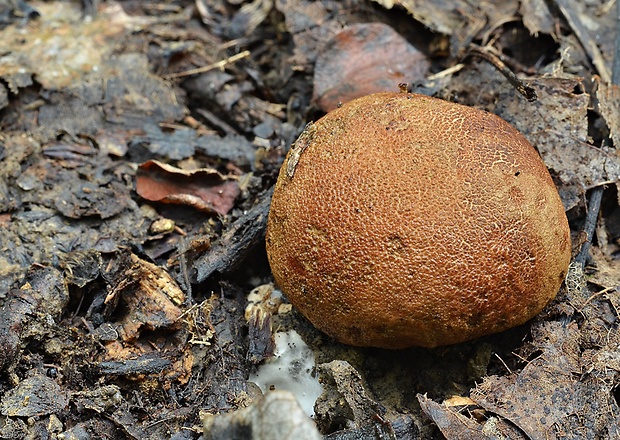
x,y
401,220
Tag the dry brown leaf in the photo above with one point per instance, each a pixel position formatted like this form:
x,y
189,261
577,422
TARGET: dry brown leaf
x,y
456,425
458,401
204,189
310,24
363,59
552,397
450,422
150,297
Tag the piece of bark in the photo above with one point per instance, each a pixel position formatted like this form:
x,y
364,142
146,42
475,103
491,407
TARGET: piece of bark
x,y
151,363
230,250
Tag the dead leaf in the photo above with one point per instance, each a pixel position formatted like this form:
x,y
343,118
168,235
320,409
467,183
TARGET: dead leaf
x,y
457,401
363,59
310,24
536,17
352,401
452,424
552,397
150,297
204,189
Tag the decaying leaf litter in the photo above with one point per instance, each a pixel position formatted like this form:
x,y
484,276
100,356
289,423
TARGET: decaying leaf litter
x,y
139,146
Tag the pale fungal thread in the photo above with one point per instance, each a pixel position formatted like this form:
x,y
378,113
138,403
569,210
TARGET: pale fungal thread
x,y
298,148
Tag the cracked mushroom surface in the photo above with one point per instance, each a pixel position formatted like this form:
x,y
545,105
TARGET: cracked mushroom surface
x,y
404,220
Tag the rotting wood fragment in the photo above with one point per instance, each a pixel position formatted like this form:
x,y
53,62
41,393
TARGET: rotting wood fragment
x,y
262,304
148,364
230,250
225,361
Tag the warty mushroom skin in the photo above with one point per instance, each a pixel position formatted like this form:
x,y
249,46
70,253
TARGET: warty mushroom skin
x,y
404,220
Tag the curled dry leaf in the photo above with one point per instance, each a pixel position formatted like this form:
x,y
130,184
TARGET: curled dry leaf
x,y
150,298
363,59
537,17
205,189
452,423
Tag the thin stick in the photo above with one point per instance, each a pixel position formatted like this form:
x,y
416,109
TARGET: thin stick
x,y
484,53
219,65
446,72
502,361
593,208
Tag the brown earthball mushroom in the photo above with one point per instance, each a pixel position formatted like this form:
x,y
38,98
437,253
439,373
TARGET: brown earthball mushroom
x,y
403,220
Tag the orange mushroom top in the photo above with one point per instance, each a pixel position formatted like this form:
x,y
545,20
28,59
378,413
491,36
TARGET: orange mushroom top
x,y
401,220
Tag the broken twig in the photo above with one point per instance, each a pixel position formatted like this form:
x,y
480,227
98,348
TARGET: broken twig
x,y
219,65
486,54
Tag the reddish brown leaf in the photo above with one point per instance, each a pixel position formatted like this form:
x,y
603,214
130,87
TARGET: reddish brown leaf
x,y
364,59
205,189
